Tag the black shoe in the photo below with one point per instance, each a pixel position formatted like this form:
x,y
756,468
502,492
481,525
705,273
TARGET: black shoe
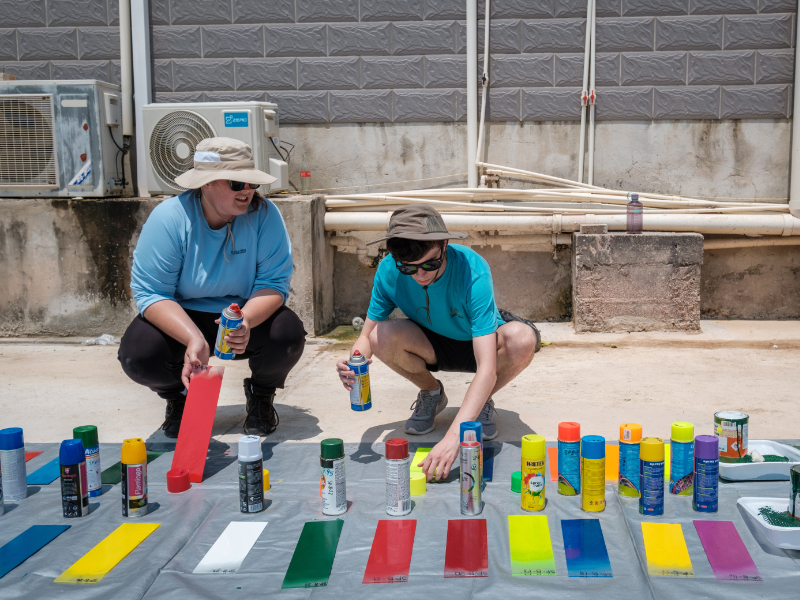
x,y
173,416
507,317
262,419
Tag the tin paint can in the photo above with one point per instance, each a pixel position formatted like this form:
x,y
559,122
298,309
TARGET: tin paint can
x,y
332,483
398,478
794,498
470,479
681,464
593,473
229,320
569,458
630,437
134,478
87,434
12,464
74,490
361,394
251,474
705,492
730,427
532,469
651,477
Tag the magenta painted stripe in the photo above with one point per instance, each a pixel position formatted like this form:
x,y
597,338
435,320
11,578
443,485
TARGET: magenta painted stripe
x,y
726,551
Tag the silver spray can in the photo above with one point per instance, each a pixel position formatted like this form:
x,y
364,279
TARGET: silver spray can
x,y
251,474
470,475
398,478
12,461
332,482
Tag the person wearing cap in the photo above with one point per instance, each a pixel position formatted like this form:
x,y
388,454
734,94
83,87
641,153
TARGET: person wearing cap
x,y
452,324
216,244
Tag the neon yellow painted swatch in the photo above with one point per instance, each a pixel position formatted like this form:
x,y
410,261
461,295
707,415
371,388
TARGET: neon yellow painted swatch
x,y
95,564
419,456
667,457
666,550
531,548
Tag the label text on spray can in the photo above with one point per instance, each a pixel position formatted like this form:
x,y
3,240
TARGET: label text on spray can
x,y
681,468
93,472
569,468
332,487
134,490
251,486
398,487
74,498
593,493
532,484
628,470
651,479
706,485
361,394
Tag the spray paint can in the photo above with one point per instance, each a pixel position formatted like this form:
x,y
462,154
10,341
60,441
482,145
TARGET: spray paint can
x,y
730,427
681,465
569,458
471,474
361,394
134,478
12,463
532,468
332,483
229,320
593,473
705,492
74,488
630,437
87,434
794,498
398,478
251,474
651,477
478,429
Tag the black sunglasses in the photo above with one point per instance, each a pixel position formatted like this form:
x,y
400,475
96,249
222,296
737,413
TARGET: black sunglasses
x,y
429,265
238,186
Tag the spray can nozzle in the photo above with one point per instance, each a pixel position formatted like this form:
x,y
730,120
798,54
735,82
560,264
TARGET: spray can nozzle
x,y
235,308
469,437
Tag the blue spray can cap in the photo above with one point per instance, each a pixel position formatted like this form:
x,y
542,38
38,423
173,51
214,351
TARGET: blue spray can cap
x,y
471,426
593,446
11,438
71,452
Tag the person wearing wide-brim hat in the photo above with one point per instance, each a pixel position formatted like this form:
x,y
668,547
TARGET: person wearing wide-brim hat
x,y
453,324
216,244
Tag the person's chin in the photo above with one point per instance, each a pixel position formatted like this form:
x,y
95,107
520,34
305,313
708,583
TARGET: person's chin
x,y
424,283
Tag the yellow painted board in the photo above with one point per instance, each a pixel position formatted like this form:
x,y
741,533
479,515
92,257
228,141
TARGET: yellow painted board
x,y
666,550
667,457
529,542
419,456
95,564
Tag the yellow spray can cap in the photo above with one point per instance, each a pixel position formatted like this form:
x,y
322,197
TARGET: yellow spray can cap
x,y
682,432
652,449
133,452
533,446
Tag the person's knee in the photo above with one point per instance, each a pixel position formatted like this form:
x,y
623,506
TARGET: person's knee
x,y
136,361
519,343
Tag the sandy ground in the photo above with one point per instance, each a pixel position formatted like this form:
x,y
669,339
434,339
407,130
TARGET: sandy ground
x,y
598,380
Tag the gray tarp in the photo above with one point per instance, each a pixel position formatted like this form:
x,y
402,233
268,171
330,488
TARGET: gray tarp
x,y
161,567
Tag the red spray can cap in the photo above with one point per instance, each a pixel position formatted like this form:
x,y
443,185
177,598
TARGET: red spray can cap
x,y
569,431
178,481
235,308
396,449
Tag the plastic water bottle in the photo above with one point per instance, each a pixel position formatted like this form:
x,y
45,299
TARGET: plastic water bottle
x,y
305,177
634,222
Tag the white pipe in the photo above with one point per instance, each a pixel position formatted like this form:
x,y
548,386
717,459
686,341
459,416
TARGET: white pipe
x,y
350,241
484,83
126,66
592,98
750,242
472,92
585,91
142,88
794,180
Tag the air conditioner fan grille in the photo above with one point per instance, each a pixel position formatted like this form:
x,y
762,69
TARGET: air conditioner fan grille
x,y
178,127
26,141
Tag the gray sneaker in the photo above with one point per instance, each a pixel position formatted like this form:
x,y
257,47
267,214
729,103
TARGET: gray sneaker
x,y
485,419
425,408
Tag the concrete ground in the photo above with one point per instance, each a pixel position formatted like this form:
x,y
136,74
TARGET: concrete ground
x,y
600,380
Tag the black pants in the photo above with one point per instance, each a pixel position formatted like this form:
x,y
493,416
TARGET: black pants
x,y
152,358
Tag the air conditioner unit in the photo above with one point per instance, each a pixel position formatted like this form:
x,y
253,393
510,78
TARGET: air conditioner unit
x,y
57,138
172,131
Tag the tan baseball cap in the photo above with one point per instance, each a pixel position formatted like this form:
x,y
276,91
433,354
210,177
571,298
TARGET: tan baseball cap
x,y
223,158
418,222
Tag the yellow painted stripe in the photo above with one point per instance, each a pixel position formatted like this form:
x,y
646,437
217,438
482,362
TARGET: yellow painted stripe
x,y
419,456
666,550
95,564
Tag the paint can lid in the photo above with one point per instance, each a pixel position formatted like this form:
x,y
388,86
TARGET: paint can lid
x,y
11,438
682,432
652,449
569,431
250,448
593,447
71,452
706,446
533,446
630,432
87,434
516,482
331,449
178,481
471,426
731,415
418,485
133,452
396,449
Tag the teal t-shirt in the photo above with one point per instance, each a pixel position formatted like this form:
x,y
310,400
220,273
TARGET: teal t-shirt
x,y
461,301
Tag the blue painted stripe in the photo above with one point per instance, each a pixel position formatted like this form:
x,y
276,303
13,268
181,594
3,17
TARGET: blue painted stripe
x,y
45,475
26,544
585,548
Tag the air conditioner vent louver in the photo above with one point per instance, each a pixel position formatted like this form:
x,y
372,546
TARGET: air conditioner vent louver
x,y
26,141
179,128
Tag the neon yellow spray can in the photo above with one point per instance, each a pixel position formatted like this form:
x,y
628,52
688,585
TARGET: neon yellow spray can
x,y
593,473
533,465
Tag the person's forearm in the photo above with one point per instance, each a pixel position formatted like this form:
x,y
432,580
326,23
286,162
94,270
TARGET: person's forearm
x,y
170,318
478,392
362,343
261,306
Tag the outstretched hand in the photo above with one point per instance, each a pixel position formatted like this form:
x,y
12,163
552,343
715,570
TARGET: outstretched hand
x,y
197,353
440,460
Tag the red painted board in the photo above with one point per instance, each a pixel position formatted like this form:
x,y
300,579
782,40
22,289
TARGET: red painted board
x,y
198,420
467,553
552,458
30,455
390,556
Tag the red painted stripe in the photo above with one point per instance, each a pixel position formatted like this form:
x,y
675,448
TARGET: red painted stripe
x,y
390,556
467,552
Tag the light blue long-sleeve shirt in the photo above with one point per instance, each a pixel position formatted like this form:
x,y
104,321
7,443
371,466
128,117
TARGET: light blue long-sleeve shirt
x,y
179,257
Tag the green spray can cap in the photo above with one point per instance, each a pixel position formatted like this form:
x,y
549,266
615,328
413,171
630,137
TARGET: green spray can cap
x,y
87,434
332,449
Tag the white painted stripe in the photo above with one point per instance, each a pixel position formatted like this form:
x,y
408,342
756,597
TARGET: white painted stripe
x,y
231,548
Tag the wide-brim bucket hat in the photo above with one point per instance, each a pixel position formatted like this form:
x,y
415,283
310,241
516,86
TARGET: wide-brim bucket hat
x,y
418,222
223,158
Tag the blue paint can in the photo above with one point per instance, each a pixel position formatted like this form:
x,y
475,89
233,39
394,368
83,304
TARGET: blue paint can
x,y
361,394
705,497
651,477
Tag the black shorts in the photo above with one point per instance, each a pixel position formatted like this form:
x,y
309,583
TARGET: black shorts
x,y
451,355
